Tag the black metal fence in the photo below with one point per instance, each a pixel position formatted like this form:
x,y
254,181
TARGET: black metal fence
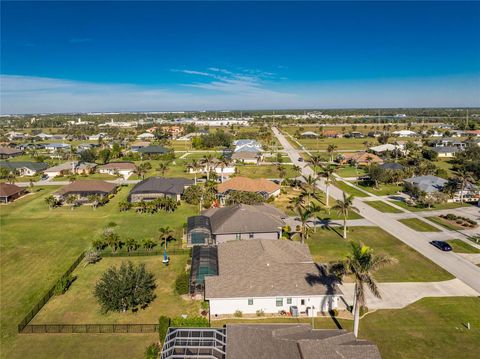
x,y
89,328
48,295
141,253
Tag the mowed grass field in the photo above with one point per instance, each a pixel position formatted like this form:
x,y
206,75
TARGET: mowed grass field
x,y
429,328
327,245
38,245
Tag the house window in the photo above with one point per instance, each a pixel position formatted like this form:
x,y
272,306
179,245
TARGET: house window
x,y
238,236
250,235
289,300
250,302
279,302
302,302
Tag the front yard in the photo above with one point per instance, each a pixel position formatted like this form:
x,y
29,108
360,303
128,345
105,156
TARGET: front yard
x,y
418,225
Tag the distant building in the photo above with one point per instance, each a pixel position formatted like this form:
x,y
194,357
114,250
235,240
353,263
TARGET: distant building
x,y
85,188
153,150
9,152
388,147
55,147
361,158
146,136
25,168
404,133
156,187
72,167
124,169
10,192
446,151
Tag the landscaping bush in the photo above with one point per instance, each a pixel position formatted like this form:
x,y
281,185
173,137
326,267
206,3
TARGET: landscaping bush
x,y
189,322
260,313
92,257
238,314
451,217
182,283
124,288
63,284
363,310
153,351
163,324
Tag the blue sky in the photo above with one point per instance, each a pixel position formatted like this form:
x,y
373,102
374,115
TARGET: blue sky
x,y
122,56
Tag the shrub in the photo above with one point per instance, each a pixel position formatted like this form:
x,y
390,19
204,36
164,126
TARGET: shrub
x,y
189,322
182,283
92,257
363,310
238,314
451,217
163,324
63,284
152,351
205,305
127,287
260,313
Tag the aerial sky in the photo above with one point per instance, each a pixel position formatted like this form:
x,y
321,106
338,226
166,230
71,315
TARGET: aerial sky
x,y
171,56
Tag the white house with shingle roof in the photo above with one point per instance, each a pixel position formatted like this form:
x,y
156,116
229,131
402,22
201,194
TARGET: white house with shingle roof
x,y
270,276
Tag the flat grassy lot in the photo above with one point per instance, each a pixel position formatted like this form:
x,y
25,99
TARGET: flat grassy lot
x,y
327,245
265,171
38,245
418,225
349,190
79,306
429,328
451,205
382,190
462,247
383,207
350,171
447,224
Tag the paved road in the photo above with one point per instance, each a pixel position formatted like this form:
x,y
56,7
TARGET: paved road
x,y
64,183
399,295
451,262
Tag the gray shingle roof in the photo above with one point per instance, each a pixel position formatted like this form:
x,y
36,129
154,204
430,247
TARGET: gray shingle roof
x,y
242,218
295,341
267,267
35,166
153,150
428,184
162,185
446,149
393,166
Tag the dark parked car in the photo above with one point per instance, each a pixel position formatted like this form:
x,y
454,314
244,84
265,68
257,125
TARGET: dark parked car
x,y
444,246
300,159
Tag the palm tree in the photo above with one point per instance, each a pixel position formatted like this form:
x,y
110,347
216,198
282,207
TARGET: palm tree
x,y
309,186
131,244
361,263
165,234
331,149
314,209
208,161
303,229
465,178
223,162
71,200
315,161
148,244
328,174
343,207
50,201
141,170
162,168
195,166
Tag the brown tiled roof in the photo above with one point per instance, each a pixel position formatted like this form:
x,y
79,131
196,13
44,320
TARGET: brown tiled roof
x,y
248,185
119,166
87,186
244,155
267,267
7,189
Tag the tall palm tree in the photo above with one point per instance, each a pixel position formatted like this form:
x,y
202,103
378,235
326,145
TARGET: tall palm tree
x,y
343,207
309,186
315,161
162,168
208,161
465,178
165,235
223,162
328,174
314,209
361,264
304,229
331,150
195,166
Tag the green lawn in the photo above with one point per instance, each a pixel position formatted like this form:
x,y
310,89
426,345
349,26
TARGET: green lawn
x,y
418,225
38,245
429,328
265,171
460,246
79,306
383,207
350,171
327,245
349,190
450,205
447,224
382,190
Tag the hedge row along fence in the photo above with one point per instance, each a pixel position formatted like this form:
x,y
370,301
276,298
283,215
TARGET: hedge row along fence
x,y
25,328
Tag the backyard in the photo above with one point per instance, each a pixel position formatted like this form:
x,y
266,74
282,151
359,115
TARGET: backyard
x,y
39,244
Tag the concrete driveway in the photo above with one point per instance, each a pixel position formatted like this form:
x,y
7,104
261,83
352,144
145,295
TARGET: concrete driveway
x,y
399,295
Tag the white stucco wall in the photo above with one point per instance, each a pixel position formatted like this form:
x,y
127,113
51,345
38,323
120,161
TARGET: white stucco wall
x,y
268,304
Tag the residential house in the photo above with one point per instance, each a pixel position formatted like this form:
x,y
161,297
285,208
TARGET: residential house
x,y
432,184
173,131
267,341
82,189
146,136
355,134
156,187
391,166
56,147
450,142
446,151
10,192
264,187
25,168
135,146
331,134
247,151
269,276
217,166
404,133
309,134
361,158
247,157
43,136
12,135
125,169
71,167
9,152
153,150
241,221
388,147
247,145
99,136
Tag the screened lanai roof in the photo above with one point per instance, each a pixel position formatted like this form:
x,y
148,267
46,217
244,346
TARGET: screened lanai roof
x,y
204,263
